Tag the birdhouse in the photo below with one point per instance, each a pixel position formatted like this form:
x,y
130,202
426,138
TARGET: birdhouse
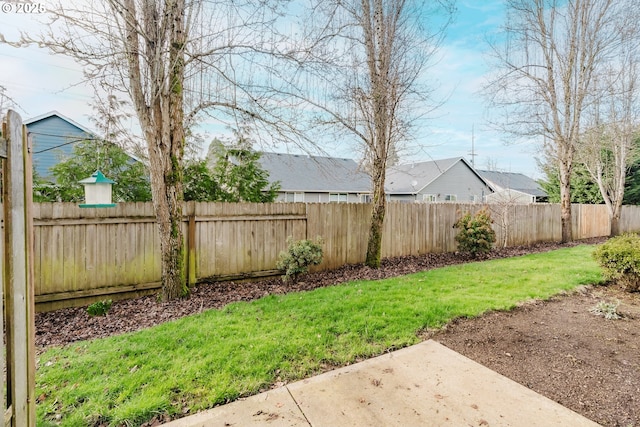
x,y
97,191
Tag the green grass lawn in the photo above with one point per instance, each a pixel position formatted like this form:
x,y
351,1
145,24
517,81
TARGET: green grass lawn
x,y
203,360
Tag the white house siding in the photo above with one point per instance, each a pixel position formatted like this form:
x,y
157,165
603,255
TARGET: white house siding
x,y
406,198
510,197
317,197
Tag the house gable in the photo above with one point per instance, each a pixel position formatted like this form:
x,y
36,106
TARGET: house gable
x,y
450,179
459,183
54,136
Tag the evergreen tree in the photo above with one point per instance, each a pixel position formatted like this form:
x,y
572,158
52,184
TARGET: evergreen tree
x,y
632,185
132,181
239,175
583,189
199,184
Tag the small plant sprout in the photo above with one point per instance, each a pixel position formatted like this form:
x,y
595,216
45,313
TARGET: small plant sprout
x,y
608,310
99,308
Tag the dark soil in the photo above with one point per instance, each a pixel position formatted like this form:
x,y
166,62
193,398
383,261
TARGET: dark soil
x,y
558,347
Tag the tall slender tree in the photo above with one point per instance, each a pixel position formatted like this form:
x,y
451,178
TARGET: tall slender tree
x,y
367,74
547,62
609,146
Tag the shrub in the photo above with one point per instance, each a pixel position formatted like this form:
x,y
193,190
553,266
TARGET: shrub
x,y
476,235
99,308
619,258
298,257
608,310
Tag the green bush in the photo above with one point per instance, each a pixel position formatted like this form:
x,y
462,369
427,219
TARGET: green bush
x,y
298,257
476,235
619,258
99,308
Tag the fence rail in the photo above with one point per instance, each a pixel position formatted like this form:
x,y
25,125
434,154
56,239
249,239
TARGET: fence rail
x,y
82,255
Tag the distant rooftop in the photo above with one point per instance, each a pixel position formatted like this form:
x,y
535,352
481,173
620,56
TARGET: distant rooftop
x,y
304,173
514,181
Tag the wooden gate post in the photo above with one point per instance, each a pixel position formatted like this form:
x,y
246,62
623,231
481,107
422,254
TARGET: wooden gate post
x,y
18,275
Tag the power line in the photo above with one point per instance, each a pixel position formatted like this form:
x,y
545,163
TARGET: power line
x,y
73,141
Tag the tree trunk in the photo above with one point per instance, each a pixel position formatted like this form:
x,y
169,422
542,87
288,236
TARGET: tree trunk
x,y
565,202
173,267
169,217
614,218
162,119
374,246
615,226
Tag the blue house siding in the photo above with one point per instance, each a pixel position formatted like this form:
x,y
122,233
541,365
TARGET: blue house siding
x,y
53,139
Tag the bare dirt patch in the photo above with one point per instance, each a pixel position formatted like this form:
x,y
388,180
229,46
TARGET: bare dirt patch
x,y
562,350
558,347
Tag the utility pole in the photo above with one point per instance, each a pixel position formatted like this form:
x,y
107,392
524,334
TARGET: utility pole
x,y
473,148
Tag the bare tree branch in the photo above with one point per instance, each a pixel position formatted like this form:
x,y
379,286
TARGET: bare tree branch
x,y
546,63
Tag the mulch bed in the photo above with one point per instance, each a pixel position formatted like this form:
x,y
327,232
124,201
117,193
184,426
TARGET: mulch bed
x,y
558,347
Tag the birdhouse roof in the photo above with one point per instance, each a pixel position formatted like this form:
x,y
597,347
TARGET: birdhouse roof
x,y
97,178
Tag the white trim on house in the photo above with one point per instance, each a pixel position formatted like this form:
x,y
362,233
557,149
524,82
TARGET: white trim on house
x,y
62,116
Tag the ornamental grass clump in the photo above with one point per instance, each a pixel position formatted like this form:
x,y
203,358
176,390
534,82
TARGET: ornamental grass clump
x,y
476,236
619,258
300,254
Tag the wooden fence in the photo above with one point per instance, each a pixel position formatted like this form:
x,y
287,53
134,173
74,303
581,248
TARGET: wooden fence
x,y
17,348
82,255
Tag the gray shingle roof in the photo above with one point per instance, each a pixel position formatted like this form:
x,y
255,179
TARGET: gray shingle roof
x,y
303,173
513,181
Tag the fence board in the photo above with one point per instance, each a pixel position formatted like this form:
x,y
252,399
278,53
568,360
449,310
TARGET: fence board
x,y
18,272
630,219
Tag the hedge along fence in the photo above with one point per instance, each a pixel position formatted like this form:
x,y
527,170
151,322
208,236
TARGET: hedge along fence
x,y
84,255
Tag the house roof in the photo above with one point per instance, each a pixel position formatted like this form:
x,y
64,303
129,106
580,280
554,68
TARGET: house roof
x,y
55,135
414,177
62,116
514,181
303,173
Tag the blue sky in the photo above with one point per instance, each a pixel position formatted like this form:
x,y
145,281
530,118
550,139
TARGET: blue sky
x,y
40,82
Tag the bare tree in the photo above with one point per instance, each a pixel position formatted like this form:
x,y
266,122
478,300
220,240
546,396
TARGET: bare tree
x,y
610,144
365,72
175,60
546,67
6,102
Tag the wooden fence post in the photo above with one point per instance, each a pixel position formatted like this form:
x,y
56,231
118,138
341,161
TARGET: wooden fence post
x,y
191,244
18,276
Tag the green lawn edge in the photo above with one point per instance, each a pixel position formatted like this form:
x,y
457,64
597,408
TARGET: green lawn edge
x,y
212,358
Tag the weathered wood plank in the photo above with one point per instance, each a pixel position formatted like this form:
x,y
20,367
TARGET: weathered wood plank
x,y
4,386
18,273
3,147
61,296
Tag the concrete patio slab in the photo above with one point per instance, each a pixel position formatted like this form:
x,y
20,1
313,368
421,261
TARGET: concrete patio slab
x,y
273,408
423,385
